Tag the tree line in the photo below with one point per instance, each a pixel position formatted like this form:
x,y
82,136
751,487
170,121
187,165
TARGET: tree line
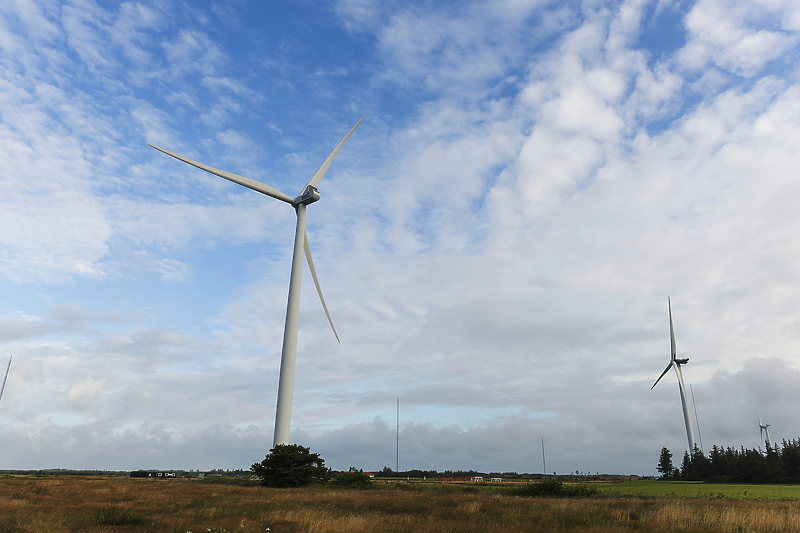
x,y
775,464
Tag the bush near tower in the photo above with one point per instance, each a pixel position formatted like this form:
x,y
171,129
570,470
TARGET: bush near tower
x,y
290,465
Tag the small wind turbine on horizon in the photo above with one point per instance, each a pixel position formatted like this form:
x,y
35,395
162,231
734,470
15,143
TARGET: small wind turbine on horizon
x,y
309,195
764,428
676,363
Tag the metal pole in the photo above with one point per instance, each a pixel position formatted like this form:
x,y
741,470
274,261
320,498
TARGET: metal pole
x,y
283,411
397,464
544,461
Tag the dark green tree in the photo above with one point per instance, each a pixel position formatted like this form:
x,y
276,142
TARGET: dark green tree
x,y
688,471
790,459
290,465
665,464
701,464
774,472
751,467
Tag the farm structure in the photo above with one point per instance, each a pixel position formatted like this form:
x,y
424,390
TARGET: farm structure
x,y
156,475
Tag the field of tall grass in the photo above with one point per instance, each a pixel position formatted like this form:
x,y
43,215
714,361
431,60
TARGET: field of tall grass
x,y
698,489
94,504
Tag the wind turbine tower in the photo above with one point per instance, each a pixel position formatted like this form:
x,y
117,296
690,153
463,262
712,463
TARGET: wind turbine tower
x,y
308,195
676,363
764,428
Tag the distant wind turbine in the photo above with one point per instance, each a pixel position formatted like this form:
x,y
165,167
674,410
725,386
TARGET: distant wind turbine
x,y
3,387
764,427
676,364
309,195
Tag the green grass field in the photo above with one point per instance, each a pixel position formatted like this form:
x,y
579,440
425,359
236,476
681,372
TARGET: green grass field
x,y
96,504
696,489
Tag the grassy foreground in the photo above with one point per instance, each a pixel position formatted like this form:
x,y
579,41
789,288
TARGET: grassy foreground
x,y
697,489
72,504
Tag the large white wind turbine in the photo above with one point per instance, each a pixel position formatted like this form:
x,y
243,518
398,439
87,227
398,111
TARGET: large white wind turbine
x,y
676,364
309,195
764,427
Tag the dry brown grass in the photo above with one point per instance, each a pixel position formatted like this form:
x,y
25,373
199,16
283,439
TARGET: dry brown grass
x,y
72,504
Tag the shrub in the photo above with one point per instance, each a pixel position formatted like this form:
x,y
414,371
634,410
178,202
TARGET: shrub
x,y
352,480
552,488
290,465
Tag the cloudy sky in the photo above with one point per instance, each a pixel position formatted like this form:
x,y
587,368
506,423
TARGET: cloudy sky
x,y
496,242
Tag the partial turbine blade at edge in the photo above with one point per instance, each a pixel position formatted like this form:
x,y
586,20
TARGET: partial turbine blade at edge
x,y
671,331
241,180
316,283
661,376
5,378
317,177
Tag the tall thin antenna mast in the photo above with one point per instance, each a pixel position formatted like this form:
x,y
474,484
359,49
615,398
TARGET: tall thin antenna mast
x,y
697,420
5,378
544,462
397,464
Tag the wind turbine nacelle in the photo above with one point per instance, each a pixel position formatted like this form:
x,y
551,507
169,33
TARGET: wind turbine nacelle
x,y
681,361
309,195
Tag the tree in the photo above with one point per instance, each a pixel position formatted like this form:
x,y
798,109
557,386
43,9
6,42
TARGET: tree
x,y
701,464
290,465
688,470
665,464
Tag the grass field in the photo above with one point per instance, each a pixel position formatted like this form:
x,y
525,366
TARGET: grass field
x,y
691,489
95,504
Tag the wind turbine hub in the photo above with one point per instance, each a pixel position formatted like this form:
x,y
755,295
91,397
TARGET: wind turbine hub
x,y
309,195
681,361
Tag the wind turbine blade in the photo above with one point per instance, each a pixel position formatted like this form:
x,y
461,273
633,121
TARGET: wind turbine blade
x,y
317,177
662,375
671,331
5,378
316,283
241,180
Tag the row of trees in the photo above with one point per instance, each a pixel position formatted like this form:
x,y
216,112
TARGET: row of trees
x,y
388,472
779,464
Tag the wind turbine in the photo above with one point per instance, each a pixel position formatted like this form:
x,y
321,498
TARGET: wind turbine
x,y
3,387
676,364
309,195
764,427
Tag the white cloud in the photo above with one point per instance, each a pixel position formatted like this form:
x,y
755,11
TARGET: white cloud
x,y
82,395
738,35
194,51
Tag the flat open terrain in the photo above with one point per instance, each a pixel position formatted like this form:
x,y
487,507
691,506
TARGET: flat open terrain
x,y
695,489
69,503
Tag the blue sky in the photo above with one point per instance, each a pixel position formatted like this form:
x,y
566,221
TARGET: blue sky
x,y
496,242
